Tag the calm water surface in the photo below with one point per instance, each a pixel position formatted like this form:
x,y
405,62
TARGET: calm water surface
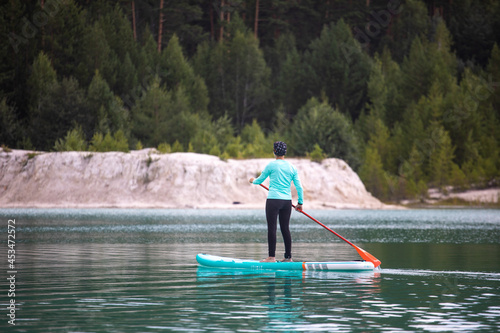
x,y
115,270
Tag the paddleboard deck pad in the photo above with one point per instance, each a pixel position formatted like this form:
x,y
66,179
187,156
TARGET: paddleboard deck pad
x,y
225,262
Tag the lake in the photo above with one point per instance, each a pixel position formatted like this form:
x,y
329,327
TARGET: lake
x,y
133,270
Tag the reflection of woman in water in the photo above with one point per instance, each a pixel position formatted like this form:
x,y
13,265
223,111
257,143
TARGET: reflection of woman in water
x,y
279,199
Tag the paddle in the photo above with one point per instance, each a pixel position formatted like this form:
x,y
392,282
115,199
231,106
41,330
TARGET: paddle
x,y
365,255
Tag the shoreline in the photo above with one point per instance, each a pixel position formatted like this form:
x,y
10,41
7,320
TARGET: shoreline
x,y
487,198
149,179
146,179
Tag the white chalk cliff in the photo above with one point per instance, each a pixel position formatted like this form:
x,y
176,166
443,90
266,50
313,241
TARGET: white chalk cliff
x,y
147,179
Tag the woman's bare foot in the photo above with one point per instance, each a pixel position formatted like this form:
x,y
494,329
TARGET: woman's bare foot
x,y
287,260
269,259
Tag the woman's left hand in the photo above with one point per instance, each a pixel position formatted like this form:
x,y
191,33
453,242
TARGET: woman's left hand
x,y
251,180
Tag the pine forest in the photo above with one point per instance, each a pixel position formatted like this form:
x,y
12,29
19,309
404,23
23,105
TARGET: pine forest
x,y
407,92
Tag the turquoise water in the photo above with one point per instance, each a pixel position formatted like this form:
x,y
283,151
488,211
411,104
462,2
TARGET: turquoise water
x,y
115,270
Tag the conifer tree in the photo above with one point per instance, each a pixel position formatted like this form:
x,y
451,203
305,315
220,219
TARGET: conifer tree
x,y
62,107
441,156
373,175
255,141
417,70
236,75
9,124
151,115
126,78
62,39
107,109
493,72
318,123
175,71
395,102
163,116
338,68
287,75
412,22
98,55
42,76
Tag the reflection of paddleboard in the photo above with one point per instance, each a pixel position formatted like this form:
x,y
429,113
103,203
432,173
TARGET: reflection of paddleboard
x,y
225,262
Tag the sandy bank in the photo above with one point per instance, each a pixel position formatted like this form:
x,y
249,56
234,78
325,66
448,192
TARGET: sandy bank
x,y
483,196
147,179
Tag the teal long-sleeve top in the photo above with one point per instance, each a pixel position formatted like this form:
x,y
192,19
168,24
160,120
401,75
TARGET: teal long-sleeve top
x,y
281,173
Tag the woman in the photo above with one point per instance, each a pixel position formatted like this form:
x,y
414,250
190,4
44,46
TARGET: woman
x,y
279,200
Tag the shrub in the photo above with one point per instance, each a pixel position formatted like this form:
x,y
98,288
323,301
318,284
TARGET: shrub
x,y
164,148
177,147
6,149
73,141
317,154
116,142
234,148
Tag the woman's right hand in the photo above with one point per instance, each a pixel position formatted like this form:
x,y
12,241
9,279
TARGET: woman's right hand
x,y
251,180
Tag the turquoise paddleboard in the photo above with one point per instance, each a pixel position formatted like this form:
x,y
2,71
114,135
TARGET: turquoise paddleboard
x,y
225,262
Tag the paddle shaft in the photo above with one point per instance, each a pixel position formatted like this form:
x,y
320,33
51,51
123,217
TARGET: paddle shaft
x,y
365,255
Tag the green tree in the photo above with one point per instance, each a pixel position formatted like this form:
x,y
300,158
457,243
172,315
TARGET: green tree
x,y
414,165
62,39
395,103
61,107
493,70
373,175
412,22
176,71
54,106
248,78
377,90
164,116
107,109
148,63
109,142
255,141
151,115
98,55
17,49
126,78
470,117
472,25
119,37
73,141
318,123
118,32
428,64
237,77
183,21
317,155
288,77
381,140
42,76
9,124
440,156
417,71
338,68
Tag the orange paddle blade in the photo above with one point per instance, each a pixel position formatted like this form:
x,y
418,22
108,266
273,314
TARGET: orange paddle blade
x,y
367,256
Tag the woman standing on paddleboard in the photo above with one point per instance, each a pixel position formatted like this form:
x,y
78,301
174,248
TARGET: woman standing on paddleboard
x,y
279,200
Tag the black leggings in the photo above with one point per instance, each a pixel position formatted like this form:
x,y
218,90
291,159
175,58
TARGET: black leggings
x,y
283,209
